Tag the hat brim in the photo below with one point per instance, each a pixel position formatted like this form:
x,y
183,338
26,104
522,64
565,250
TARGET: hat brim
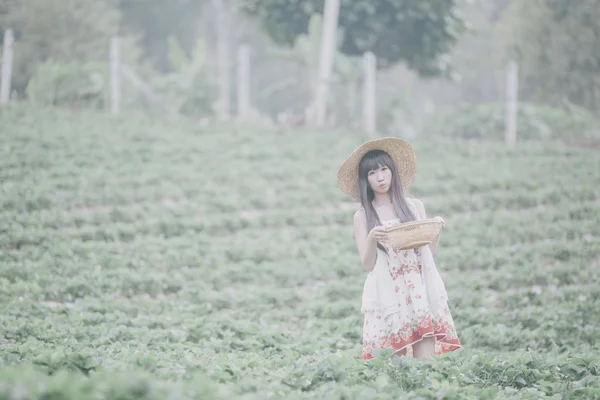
x,y
399,150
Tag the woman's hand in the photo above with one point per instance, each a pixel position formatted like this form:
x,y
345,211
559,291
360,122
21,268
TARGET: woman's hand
x,y
378,234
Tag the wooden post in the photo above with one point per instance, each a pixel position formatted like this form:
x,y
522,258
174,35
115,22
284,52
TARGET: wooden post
x,y
7,61
115,76
512,87
223,58
328,49
243,82
369,103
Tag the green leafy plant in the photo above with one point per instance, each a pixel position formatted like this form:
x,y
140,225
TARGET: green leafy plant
x,y
343,96
218,262
73,84
535,122
188,89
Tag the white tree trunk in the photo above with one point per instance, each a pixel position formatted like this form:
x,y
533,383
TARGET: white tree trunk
x,y
223,58
369,102
328,49
243,83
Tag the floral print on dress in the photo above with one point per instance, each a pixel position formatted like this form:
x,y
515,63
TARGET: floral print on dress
x,y
413,318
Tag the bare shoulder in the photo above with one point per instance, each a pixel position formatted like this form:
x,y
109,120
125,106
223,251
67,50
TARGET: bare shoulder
x,y
419,206
417,202
360,216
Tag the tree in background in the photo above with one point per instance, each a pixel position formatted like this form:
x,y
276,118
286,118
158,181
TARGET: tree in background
x,y
419,33
557,45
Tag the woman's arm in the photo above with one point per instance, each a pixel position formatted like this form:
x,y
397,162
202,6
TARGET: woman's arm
x,y
367,241
421,208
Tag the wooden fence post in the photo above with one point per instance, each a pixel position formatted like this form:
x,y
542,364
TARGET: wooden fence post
x,y
7,61
512,87
115,76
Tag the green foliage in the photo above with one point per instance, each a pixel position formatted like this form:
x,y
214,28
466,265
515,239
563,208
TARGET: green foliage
x,y
157,21
343,97
25,382
557,44
535,122
144,259
72,84
418,33
188,89
305,53
66,31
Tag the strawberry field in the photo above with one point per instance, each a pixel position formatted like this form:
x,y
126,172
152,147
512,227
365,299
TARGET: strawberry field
x,y
141,258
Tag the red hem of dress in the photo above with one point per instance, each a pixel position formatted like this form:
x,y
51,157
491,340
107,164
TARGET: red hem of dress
x,y
446,345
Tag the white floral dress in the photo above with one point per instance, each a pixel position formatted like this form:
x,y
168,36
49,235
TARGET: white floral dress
x,y
404,300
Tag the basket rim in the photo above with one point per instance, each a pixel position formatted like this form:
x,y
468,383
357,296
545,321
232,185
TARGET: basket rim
x,y
429,221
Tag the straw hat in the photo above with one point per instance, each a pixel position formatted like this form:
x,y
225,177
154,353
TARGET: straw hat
x,y
399,149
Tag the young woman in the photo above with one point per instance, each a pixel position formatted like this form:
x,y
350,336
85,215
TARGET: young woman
x,y
404,302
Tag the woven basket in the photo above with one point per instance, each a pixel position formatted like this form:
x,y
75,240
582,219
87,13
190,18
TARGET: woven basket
x,y
414,234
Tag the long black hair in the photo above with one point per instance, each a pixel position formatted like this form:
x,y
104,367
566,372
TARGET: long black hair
x,y
373,160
